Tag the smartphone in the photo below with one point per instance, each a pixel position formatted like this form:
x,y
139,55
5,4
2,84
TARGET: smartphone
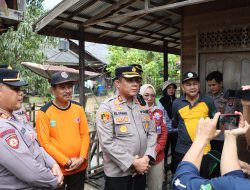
x,y
228,122
243,94
237,94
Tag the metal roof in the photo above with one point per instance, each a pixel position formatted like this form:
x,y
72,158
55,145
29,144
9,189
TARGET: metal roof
x,y
98,51
130,23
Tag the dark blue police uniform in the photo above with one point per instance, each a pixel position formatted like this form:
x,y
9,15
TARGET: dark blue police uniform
x,y
187,177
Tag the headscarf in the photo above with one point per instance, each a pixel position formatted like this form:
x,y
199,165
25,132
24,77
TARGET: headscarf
x,y
144,88
167,101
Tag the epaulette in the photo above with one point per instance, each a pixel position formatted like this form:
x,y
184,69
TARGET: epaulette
x,y
109,99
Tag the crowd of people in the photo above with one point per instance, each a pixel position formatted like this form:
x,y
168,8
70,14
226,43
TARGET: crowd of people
x,y
136,132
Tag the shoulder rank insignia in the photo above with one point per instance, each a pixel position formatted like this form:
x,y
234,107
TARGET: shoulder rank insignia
x,y
4,116
120,98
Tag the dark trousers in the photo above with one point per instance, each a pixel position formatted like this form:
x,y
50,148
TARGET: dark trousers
x,y
125,183
204,169
217,145
74,181
171,143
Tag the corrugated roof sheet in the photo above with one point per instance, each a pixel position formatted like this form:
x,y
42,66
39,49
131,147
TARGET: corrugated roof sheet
x,y
103,22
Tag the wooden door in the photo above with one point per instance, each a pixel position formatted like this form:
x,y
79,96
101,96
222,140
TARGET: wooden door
x,y
234,66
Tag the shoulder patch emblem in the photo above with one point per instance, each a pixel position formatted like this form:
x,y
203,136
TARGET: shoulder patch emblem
x,y
105,116
6,132
12,141
206,187
52,123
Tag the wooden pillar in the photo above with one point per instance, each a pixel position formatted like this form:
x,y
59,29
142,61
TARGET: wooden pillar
x,y
165,60
82,65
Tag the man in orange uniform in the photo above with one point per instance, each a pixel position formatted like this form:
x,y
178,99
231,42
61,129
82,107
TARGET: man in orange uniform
x,y
62,130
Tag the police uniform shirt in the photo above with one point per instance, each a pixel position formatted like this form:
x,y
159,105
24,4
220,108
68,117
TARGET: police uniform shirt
x,y
23,163
187,177
124,131
222,105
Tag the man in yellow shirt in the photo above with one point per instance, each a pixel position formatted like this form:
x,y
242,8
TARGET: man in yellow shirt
x,y
62,130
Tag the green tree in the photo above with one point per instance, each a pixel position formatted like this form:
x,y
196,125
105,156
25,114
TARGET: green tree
x,y
151,62
25,45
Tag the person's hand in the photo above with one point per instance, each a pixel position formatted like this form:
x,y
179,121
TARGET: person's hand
x,y
141,165
245,87
76,163
69,162
146,160
245,102
206,129
245,167
57,172
243,127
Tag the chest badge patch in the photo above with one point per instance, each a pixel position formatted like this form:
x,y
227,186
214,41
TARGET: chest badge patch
x,y
105,116
123,129
52,123
121,119
206,187
12,141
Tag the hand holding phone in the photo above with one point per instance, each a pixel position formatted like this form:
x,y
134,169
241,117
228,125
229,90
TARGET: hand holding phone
x,y
228,121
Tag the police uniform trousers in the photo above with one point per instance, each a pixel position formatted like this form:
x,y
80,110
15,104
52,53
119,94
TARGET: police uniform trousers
x,y
74,181
137,182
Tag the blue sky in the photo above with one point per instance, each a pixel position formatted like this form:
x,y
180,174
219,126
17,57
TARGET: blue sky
x,y
49,4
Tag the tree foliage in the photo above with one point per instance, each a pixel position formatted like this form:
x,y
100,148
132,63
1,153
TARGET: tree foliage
x,y
23,44
151,62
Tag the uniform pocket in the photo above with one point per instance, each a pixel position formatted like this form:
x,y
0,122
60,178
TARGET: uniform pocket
x,y
122,126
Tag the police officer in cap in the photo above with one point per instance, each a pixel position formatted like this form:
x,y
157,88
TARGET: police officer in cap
x,y
23,163
126,134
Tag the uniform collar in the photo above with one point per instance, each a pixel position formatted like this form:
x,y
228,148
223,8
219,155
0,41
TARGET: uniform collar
x,y
221,92
120,100
183,98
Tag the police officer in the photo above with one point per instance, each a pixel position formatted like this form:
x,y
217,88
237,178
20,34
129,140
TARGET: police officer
x,y
126,134
224,106
23,163
216,92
